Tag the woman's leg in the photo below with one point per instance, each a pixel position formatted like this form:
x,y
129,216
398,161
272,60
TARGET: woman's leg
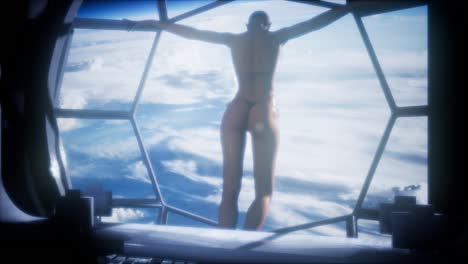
x,y
233,130
263,127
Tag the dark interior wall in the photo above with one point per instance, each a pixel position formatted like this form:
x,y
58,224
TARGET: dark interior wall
x,y
447,142
14,37
30,30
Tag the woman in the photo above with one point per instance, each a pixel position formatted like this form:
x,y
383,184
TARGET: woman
x,y
254,54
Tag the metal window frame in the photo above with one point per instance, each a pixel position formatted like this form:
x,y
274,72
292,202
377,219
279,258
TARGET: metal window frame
x,y
351,219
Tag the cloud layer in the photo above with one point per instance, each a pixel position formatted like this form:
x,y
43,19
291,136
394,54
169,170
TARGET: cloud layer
x,y
332,110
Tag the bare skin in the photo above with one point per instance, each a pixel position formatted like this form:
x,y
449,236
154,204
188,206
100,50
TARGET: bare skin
x,y
255,55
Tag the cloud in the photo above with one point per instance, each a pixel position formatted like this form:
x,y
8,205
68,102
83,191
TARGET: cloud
x,y
108,68
306,204
113,140
94,64
202,141
411,157
138,171
124,215
78,66
66,124
81,171
190,109
188,169
125,150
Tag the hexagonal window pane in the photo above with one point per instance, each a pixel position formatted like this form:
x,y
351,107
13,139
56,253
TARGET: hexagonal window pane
x,y
189,182
178,7
132,215
400,42
104,68
332,114
403,167
105,153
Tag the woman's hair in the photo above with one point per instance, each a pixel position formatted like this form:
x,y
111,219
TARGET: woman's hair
x,y
259,20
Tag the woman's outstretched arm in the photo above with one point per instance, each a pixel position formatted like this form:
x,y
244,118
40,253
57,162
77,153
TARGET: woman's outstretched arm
x,y
322,20
312,24
184,31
